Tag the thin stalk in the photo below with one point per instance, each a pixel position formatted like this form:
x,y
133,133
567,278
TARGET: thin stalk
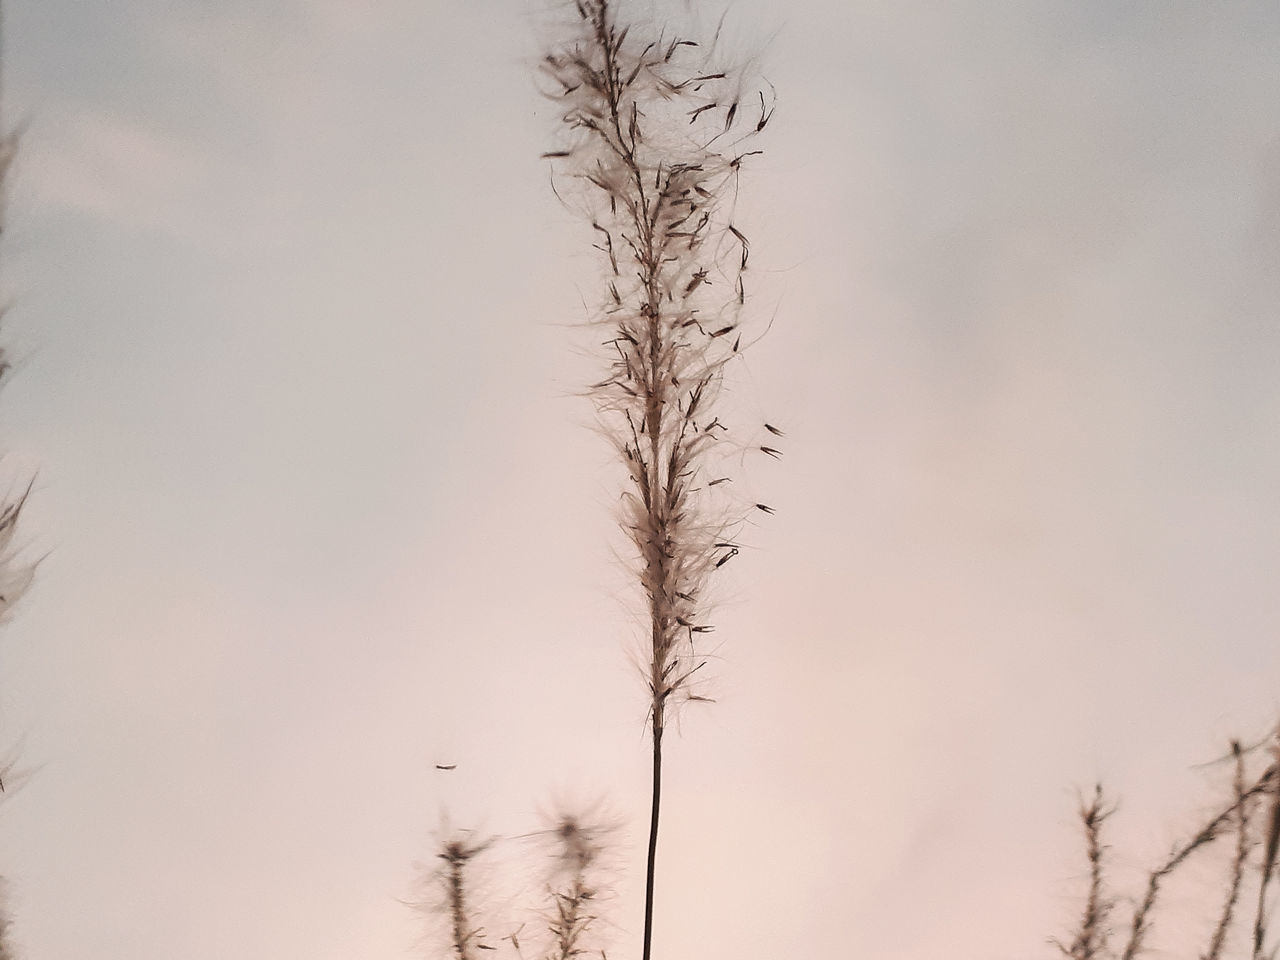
x,y
465,934
1220,932
458,909
655,808
1268,857
1090,940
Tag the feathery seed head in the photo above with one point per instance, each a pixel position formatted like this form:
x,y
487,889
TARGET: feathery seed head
x,y
657,134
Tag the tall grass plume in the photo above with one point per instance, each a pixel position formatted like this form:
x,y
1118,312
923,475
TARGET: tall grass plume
x,y
657,129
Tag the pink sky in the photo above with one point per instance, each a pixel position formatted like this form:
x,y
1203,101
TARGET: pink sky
x,y
295,310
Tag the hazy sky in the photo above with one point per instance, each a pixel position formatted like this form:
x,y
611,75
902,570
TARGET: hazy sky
x,y
293,308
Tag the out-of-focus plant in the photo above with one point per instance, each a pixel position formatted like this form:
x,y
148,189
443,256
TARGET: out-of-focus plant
x,y
1092,938
577,887
558,913
15,573
450,894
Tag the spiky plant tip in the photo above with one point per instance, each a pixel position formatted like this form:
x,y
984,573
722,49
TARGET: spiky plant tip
x,y
578,882
583,837
460,850
1090,940
451,893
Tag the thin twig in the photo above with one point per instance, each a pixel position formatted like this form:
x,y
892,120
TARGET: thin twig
x,y
1220,932
1141,923
1268,857
1090,940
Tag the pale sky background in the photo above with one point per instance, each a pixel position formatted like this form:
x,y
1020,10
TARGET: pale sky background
x,y
293,307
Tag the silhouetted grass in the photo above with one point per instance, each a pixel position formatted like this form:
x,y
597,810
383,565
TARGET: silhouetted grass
x,y
658,127
558,914
1091,940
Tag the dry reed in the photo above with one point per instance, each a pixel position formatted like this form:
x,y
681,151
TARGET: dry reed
x,y
1238,861
1090,940
1269,853
1092,935
576,890
453,881
566,901
658,131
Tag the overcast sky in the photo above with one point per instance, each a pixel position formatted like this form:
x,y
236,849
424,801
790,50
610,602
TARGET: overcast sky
x,y
294,314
